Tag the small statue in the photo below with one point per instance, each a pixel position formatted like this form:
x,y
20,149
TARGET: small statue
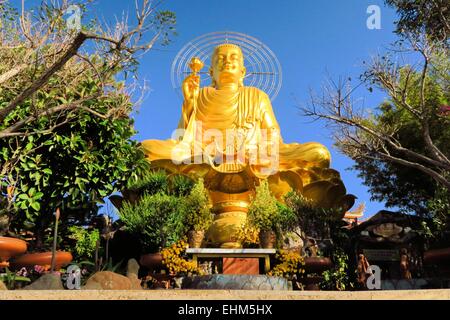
x,y
404,264
363,270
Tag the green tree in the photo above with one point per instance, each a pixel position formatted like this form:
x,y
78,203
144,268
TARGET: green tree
x,y
417,16
402,146
65,105
402,186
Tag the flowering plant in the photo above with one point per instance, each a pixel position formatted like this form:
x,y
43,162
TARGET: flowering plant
x,y
290,265
174,258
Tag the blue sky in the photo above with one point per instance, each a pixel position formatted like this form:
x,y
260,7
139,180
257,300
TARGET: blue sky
x,y
310,38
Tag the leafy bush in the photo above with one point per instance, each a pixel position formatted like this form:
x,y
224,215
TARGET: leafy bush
x,y
86,241
181,185
338,277
157,219
198,215
248,236
263,211
313,221
153,182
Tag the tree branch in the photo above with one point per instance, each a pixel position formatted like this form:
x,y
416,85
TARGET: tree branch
x,y
36,85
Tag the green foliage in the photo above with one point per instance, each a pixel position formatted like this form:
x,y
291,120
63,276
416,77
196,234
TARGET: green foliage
x,y
198,216
86,241
82,161
314,221
82,151
165,23
159,181
439,213
152,182
416,16
263,211
338,277
10,279
181,185
395,184
157,220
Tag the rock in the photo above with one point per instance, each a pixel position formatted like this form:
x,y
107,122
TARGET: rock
x,y
46,282
132,274
107,280
3,286
132,268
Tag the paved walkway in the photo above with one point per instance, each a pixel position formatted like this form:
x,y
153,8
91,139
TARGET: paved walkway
x,y
438,294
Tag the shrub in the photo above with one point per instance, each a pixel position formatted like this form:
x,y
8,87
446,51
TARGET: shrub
x,y
198,215
263,211
86,241
157,219
151,183
338,277
181,185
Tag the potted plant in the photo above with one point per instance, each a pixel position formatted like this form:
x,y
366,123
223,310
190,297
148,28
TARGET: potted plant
x,y
52,259
290,265
264,214
197,215
312,224
157,219
10,247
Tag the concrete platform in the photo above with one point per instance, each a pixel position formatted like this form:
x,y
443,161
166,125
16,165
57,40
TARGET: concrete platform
x,y
438,294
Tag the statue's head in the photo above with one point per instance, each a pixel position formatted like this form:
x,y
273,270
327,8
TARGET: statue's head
x,y
227,65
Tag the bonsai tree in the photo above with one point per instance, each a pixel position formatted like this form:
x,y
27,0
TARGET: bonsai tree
x,y
264,214
198,216
311,222
156,219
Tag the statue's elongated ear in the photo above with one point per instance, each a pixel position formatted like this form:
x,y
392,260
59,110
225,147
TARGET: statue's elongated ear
x,y
213,82
241,80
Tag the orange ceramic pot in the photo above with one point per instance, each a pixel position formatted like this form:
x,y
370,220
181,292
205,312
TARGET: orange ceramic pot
x,y
317,264
10,247
152,261
44,259
436,256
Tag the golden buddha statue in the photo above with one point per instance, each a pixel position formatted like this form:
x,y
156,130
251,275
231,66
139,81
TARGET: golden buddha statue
x,y
229,136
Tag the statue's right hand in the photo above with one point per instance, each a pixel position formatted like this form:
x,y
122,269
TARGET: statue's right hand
x,y
191,87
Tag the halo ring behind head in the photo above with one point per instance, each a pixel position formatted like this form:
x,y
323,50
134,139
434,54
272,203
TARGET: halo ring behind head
x,y
263,68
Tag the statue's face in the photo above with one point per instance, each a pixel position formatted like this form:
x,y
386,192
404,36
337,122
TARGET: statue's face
x,y
227,65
